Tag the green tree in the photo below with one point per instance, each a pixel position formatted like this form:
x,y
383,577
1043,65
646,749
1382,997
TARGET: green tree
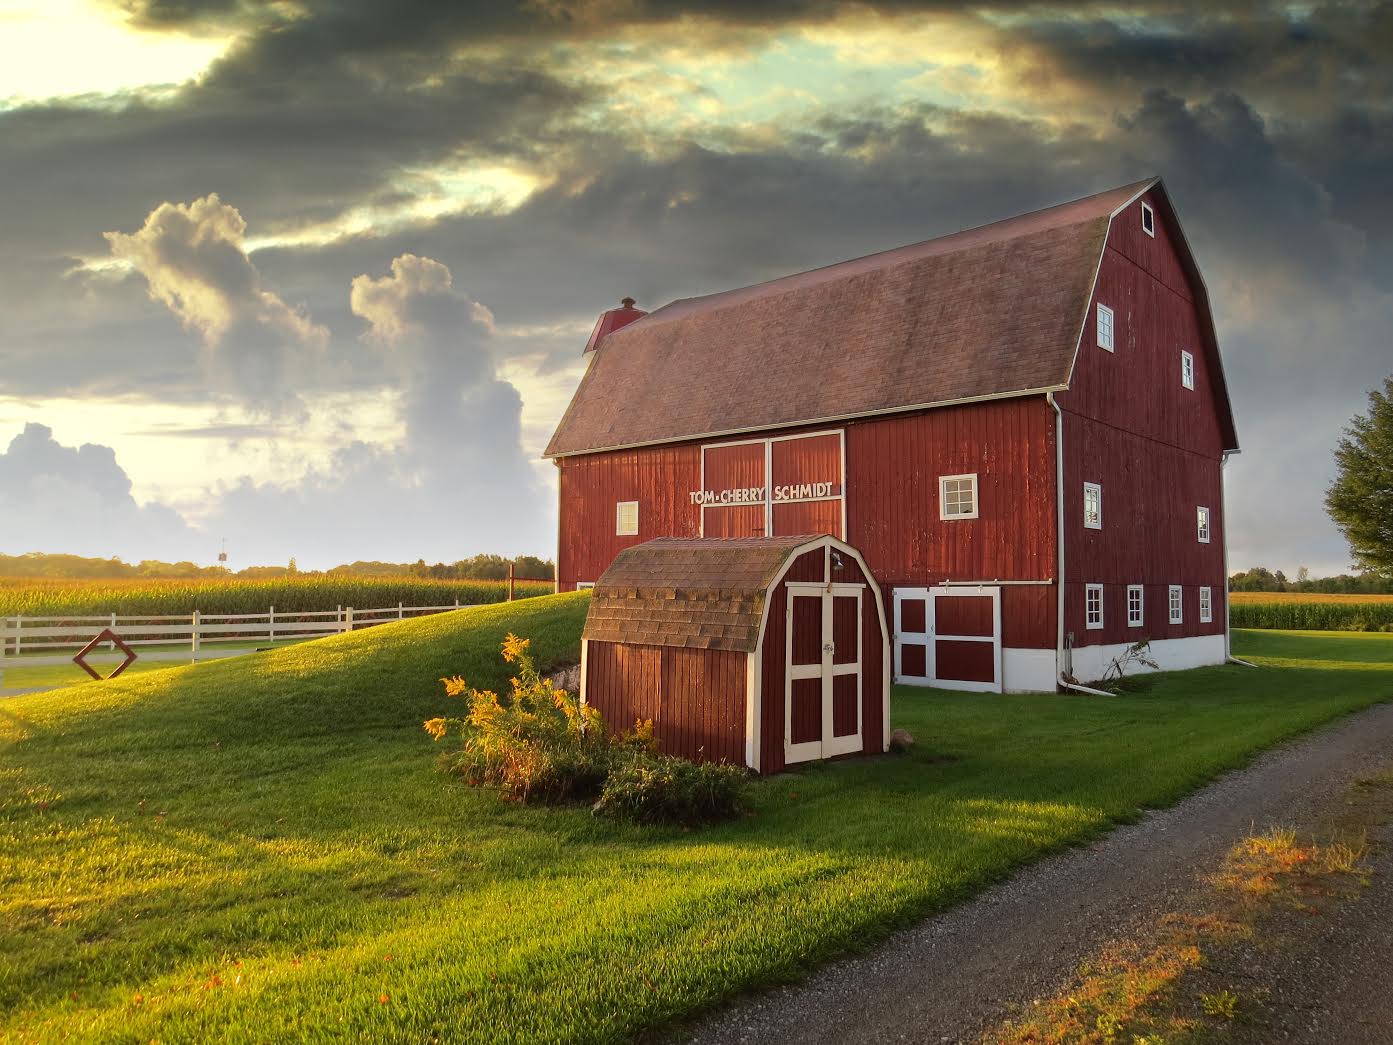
x,y
1360,500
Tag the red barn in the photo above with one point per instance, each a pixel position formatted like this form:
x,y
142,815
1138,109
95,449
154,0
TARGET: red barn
x,y
1022,427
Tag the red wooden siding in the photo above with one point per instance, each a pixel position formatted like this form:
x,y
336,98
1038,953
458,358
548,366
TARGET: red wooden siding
x,y
736,467
696,698
741,520
810,517
813,460
1154,446
964,615
965,661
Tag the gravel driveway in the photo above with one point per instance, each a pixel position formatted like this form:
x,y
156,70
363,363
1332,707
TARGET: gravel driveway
x,y
959,973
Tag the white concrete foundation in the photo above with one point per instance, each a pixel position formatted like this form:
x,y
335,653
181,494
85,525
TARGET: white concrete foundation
x,y
1028,670
1170,654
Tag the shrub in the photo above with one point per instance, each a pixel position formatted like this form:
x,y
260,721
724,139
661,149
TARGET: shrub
x,y
540,744
649,789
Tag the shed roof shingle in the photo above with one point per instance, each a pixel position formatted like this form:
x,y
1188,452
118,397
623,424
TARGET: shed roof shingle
x,y
987,312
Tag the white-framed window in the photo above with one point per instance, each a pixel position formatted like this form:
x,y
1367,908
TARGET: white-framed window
x,y
957,496
1177,605
1092,506
1148,219
1187,369
1202,524
626,519
1105,328
1206,605
584,585
1136,605
1093,606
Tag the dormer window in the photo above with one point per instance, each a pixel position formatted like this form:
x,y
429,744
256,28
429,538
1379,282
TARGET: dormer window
x,y
1148,220
1105,327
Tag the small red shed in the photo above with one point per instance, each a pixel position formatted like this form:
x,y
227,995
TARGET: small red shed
x,y
758,651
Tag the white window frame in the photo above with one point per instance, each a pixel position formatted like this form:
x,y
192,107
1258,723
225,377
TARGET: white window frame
x,y
1136,607
1109,343
1176,602
1097,517
584,585
1202,523
1092,621
1187,369
1148,219
1206,605
943,481
619,528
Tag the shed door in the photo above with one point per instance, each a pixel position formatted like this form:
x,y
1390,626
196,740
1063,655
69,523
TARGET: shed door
x,y
822,714
949,637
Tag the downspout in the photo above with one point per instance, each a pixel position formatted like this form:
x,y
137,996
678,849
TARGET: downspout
x,y
1058,534
1229,658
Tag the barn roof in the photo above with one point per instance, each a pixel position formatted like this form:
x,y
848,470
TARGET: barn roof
x,y
704,594
990,312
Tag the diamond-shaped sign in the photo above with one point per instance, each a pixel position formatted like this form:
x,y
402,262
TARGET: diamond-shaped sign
x,y
110,636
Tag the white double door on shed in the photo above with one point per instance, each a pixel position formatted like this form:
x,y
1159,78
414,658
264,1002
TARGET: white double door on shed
x,y
949,637
822,680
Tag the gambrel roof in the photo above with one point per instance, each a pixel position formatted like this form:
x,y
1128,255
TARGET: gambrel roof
x,y
988,313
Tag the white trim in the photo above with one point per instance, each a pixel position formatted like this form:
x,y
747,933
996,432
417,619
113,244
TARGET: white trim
x,y
1138,619
1175,604
1089,590
620,529
943,497
931,636
1148,219
1224,540
752,730
1202,523
584,585
1110,344
768,502
1019,393
1059,515
1097,523
1206,604
584,661
1187,369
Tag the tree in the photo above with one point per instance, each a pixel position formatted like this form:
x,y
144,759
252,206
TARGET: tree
x,y
1360,500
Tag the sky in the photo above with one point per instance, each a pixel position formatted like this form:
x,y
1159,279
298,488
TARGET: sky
x,y
314,278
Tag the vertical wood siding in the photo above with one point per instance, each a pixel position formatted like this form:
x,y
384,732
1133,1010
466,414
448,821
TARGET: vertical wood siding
x,y
696,698
1153,445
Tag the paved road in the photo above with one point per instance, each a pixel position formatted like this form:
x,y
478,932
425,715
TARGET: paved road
x,y
954,975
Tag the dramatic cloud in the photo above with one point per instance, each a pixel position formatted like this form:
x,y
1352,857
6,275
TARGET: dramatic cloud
x,y
195,262
56,498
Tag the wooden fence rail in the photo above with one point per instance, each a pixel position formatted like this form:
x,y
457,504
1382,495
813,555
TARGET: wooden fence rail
x,y
22,637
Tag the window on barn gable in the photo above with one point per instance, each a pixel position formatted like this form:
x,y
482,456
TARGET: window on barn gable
x,y
1206,605
1093,606
1177,606
1136,605
1187,369
1105,328
626,519
957,496
1148,219
1202,524
1092,506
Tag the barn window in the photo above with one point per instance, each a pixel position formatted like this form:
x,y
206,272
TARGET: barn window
x,y
1202,524
584,585
626,519
1105,327
1093,606
1148,219
1187,369
1093,506
1176,605
957,496
1206,605
1136,605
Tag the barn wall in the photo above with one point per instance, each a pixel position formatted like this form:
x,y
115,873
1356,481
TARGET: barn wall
x,y
1153,445
695,697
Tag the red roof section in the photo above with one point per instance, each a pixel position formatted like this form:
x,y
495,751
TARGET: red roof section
x,y
989,312
612,320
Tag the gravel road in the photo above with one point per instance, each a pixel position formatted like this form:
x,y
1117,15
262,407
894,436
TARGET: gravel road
x,y
965,970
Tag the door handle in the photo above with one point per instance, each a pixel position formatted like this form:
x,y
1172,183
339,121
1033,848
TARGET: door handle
x,y
829,647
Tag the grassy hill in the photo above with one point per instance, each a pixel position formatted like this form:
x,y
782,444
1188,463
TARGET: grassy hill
x,y
263,849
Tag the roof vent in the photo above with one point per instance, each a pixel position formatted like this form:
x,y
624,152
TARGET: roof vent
x,y
612,320
627,302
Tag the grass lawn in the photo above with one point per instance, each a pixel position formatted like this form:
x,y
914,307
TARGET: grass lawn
x,y
263,849
19,675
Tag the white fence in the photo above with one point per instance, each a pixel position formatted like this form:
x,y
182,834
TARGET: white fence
x,y
23,639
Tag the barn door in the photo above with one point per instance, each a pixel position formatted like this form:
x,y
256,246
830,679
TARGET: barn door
x,y
949,637
822,711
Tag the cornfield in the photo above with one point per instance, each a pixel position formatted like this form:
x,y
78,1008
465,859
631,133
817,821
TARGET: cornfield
x,y
53,598
1302,611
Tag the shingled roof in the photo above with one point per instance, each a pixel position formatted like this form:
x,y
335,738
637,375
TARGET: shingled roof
x,y
989,312
703,594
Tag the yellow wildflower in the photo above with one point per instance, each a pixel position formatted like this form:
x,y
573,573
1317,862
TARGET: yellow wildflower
x,y
514,647
436,727
454,685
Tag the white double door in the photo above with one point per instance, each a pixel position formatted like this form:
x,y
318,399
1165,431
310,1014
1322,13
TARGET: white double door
x,y
822,680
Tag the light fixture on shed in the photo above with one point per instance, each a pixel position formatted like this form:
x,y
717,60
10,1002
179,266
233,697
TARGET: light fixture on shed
x,y
837,563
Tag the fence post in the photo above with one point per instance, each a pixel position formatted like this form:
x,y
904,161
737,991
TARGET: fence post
x,y
111,646
512,581
271,628
348,619
456,602
193,635
400,611
4,642
19,623
338,618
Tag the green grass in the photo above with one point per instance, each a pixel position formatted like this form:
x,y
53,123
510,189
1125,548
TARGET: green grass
x,y
263,848
19,675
